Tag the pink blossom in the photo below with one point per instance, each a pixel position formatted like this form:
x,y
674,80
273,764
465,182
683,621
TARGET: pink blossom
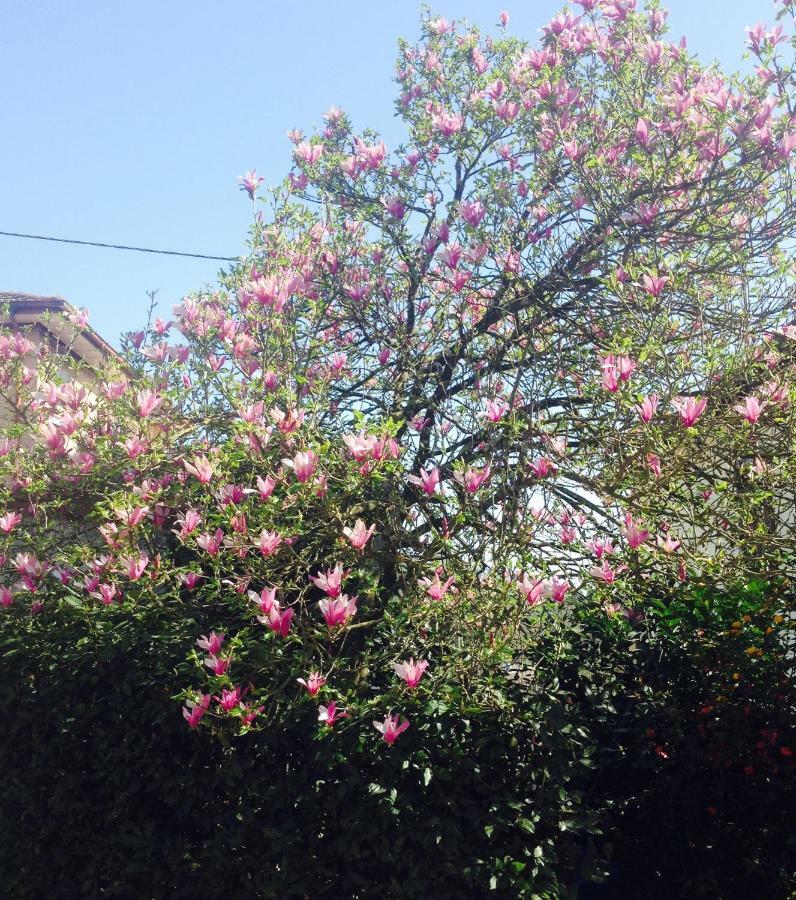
x,y
190,579
148,402
303,465
654,462
308,153
9,522
410,671
472,479
212,643
211,543
436,589
265,600
359,535
668,544
542,467
600,548
229,700
447,123
195,709
643,133
249,714
330,581
689,408
313,683
268,542
337,610
330,714
750,409
218,665
428,480
604,573
496,409
634,535
558,589
472,212
391,728
201,468
278,620
133,567
265,486
532,590
654,285
250,182
648,407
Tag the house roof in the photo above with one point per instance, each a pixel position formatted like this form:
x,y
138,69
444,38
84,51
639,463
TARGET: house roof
x,y
41,313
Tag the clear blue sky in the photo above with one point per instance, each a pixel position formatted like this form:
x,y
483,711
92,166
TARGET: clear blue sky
x,y
129,122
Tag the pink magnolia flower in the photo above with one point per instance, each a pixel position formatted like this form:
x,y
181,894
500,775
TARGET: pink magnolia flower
x,y
496,409
308,153
269,541
558,589
654,285
133,567
428,480
600,548
394,207
669,544
6,597
9,522
278,620
195,709
330,581
190,579
643,133
250,182
604,573
201,468
134,447
532,590
359,535
654,462
265,600
472,479
634,535
212,643
148,402
211,543
360,446
330,714
313,683
229,700
689,408
447,123
436,589
410,671
337,610
250,713
750,409
648,407
265,486
542,467
303,465
472,212
391,728
218,665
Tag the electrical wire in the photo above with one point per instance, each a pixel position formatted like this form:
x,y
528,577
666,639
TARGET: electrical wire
x,y
41,237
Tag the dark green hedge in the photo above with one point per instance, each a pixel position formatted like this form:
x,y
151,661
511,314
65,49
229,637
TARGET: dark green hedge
x,y
608,763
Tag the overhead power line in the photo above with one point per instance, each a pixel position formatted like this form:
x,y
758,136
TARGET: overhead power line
x,y
41,237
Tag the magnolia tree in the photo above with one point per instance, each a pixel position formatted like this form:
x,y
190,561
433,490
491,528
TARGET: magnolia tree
x,y
539,358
